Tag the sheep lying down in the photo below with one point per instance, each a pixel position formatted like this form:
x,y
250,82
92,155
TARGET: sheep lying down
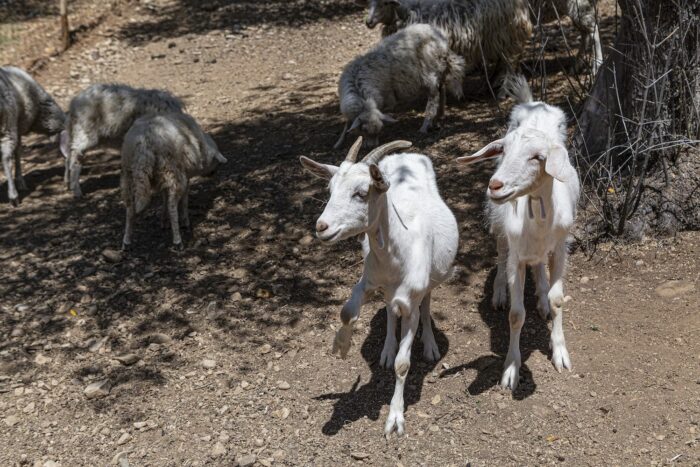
x,y
160,154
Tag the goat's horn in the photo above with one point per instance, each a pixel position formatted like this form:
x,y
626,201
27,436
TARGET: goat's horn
x,y
377,154
354,150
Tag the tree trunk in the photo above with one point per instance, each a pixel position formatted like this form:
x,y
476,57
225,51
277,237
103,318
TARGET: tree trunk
x,y
640,119
65,29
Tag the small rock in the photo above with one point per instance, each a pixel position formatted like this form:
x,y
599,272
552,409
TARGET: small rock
x,y
236,297
359,455
434,428
209,363
11,420
159,338
41,359
283,385
127,359
113,256
17,332
585,280
246,461
120,459
265,348
29,408
671,289
97,344
124,438
139,425
639,263
436,400
594,394
287,76
306,240
97,389
51,464
279,455
259,442
22,308
218,450
245,384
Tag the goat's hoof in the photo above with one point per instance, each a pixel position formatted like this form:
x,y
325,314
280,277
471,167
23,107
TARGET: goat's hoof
x,y
14,202
388,355
178,246
499,300
394,422
560,357
511,375
21,184
431,353
543,310
126,247
77,193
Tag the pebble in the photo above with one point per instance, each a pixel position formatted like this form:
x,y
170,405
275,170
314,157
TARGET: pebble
x,y
123,439
259,442
159,338
436,400
218,450
279,455
11,420
127,359
120,459
113,256
306,240
29,408
671,289
50,463
283,385
41,359
97,389
265,349
139,425
585,280
245,384
359,455
236,297
17,332
246,461
209,363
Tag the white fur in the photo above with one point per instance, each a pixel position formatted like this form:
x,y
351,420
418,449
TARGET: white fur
x,y
532,201
410,241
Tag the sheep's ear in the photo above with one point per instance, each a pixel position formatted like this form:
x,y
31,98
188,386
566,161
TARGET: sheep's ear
x,y
378,179
387,118
354,127
558,164
63,144
493,149
220,157
320,170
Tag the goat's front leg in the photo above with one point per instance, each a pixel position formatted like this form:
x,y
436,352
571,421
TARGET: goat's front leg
x,y
173,201
410,315
431,110
500,283
431,353
349,315
184,208
516,318
7,148
557,266
542,286
19,178
597,51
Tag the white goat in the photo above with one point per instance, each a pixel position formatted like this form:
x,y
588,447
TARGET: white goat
x,y
531,205
410,241
401,69
160,154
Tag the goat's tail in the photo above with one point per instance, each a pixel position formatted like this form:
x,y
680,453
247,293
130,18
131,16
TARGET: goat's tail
x,y
136,184
515,86
454,73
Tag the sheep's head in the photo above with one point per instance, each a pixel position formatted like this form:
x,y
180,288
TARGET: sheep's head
x,y
529,159
353,187
381,12
212,157
369,124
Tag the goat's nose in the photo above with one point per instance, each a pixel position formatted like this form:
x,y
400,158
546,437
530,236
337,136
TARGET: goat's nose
x,y
495,185
321,226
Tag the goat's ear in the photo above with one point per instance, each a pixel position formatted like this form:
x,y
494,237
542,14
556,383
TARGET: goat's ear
x,y
64,143
320,170
558,164
387,118
493,149
379,181
354,127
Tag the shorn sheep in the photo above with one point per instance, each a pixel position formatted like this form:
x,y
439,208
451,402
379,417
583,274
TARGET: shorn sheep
x,y
160,154
494,31
401,69
24,107
531,205
409,242
105,112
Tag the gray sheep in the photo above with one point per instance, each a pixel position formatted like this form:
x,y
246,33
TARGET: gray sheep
x,y
24,107
401,69
499,28
160,154
106,112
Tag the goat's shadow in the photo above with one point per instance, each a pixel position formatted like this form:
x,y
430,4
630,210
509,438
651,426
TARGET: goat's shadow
x,y
366,400
534,337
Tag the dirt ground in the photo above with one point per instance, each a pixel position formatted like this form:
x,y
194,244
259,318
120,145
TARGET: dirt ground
x,y
221,354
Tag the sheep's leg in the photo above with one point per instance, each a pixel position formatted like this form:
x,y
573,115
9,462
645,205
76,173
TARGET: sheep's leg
x,y
7,148
443,102
74,168
500,283
19,178
516,317
557,265
542,286
431,353
173,201
410,316
129,227
348,316
431,110
390,345
184,208
164,211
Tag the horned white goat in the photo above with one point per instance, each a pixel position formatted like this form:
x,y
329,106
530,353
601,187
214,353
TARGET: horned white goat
x,y
106,112
24,107
410,241
401,69
495,31
531,205
160,154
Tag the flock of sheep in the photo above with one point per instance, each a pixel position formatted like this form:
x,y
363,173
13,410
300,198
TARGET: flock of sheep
x,y
391,201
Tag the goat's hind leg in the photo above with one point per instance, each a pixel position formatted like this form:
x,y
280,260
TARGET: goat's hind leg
x,y
431,110
7,150
431,353
542,287
19,178
390,344
349,315
516,318
557,265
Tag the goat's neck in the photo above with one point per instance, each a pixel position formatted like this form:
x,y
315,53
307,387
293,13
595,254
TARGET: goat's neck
x,y
384,223
539,205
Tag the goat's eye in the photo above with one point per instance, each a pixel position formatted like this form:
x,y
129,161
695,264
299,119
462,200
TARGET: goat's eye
x,y
360,195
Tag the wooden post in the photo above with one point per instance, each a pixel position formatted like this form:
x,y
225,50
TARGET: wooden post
x,y
65,30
